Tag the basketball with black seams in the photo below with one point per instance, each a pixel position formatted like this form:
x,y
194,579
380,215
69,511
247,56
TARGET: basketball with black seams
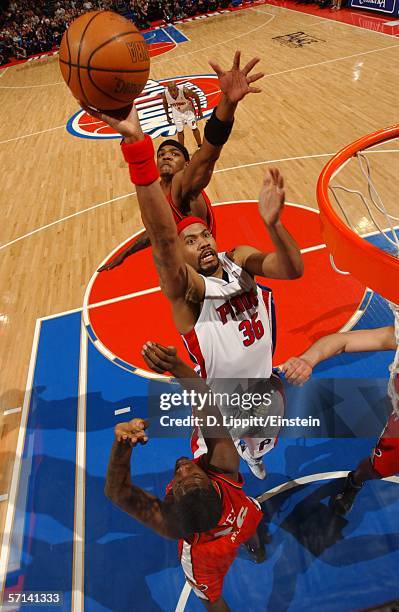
x,y
104,60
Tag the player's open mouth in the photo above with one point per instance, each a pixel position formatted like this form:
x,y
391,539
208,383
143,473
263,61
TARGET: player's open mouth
x,y
207,256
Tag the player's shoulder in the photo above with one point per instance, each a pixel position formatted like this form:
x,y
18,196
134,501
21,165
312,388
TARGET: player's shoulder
x,y
239,253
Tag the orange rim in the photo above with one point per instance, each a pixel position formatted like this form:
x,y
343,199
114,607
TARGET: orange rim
x,y
372,266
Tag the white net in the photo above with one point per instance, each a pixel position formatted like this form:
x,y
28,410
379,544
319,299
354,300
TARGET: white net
x,y
373,213
362,205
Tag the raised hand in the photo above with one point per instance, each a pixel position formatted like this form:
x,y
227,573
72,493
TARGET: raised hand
x,y
124,121
235,83
132,432
272,197
297,370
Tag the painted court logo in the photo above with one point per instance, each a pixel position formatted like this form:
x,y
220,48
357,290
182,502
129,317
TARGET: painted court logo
x,y
150,108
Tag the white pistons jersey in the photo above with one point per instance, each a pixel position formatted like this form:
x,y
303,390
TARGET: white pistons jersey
x,y
181,104
234,334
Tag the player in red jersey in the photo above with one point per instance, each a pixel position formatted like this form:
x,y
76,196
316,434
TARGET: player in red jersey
x,y
183,180
384,460
205,507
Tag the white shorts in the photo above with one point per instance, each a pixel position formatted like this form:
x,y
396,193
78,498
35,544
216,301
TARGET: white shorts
x,y
182,119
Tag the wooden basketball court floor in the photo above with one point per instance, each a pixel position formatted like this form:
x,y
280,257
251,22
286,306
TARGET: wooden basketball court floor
x,y
65,200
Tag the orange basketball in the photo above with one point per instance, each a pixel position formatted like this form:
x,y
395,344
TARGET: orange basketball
x,y
104,60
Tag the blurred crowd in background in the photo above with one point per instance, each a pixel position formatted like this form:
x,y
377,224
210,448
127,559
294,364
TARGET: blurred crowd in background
x,y
30,27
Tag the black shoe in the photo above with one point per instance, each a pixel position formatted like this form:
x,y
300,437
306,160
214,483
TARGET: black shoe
x,y
343,502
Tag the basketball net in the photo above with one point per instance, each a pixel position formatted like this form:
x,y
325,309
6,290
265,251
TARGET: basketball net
x,y
374,207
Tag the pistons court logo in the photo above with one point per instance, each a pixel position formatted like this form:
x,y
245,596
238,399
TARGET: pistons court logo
x,y
150,109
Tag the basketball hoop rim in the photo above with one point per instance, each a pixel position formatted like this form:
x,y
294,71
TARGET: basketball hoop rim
x,y
345,245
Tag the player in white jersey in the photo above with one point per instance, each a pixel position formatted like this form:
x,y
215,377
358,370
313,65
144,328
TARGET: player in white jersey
x,y
187,260
232,343
181,101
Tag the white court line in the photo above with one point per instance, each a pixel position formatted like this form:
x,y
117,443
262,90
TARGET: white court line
x,y
285,486
16,472
223,42
121,298
12,411
153,101
169,36
153,289
330,61
80,481
31,86
166,59
291,484
128,296
261,163
122,410
4,70
4,497
324,20
32,134
184,595
80,212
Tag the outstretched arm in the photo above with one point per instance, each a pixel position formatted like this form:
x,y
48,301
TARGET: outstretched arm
x,y
141,242
221,450
235,84
143,506
286,261
176,278
298,370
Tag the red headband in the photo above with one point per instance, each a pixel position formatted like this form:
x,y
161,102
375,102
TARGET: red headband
x,y
189,221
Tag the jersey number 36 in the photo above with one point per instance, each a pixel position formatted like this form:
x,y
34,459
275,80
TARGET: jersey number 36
x,y
252,329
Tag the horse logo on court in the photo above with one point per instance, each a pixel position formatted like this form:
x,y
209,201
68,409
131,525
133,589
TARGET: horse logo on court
x,y
150,109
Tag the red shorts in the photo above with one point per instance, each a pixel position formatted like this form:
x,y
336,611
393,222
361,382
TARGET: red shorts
x,y
385,456
205,566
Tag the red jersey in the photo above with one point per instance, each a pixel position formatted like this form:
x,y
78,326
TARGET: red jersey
x,y
210,218
206,557
240,515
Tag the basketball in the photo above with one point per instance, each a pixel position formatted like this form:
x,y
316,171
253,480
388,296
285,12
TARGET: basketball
x,y
104,60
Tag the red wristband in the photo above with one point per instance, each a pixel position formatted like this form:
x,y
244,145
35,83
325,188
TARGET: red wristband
x,y
140,157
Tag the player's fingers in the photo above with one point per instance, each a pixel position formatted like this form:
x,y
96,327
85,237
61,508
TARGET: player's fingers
x,y
164,354
151,363
268,176
216,68
171,350
273,174
254,90
236,60
90,109
159,354
251,64
160,362
255,77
